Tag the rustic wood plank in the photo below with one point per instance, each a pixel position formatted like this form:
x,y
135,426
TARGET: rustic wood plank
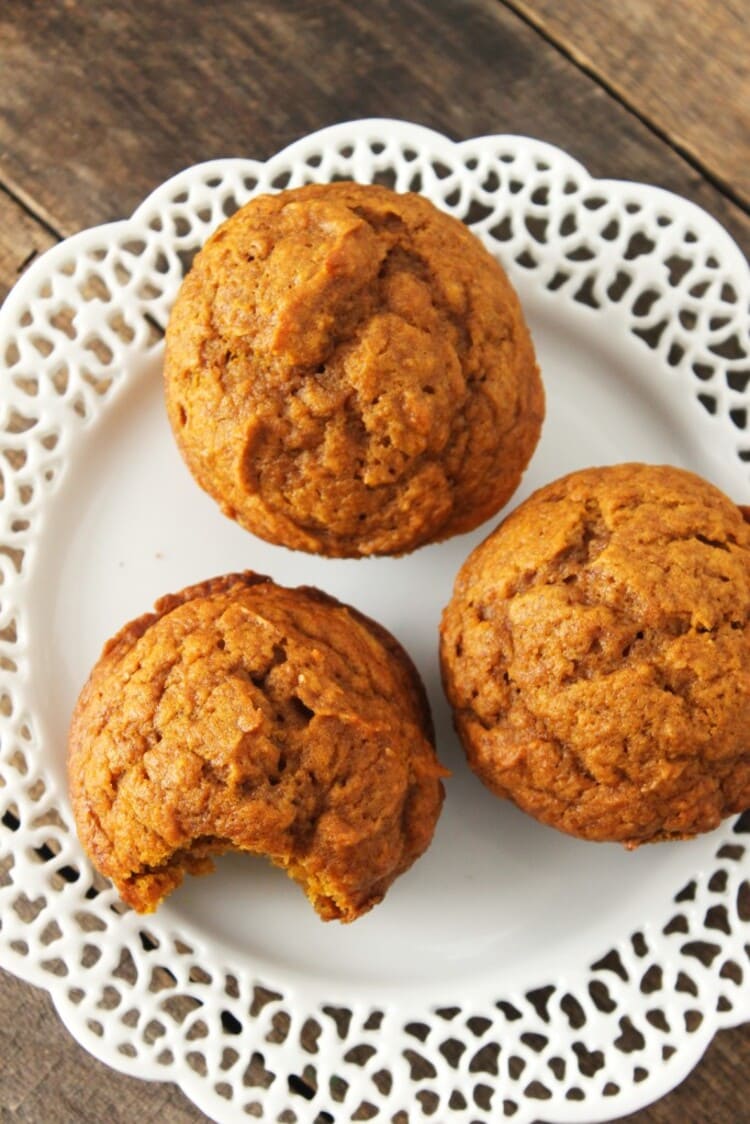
x,y
684,68
46,1078
105,100
22,238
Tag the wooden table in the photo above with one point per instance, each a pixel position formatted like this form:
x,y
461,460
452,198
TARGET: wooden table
x,y
101,101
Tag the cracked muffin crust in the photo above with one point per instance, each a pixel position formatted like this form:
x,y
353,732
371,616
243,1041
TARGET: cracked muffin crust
x,y
596,652
243,716
348,372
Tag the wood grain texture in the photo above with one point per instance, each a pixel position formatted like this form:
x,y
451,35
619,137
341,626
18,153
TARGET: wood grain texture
x,y
100,101
104,100
21,240
46,1078
683,67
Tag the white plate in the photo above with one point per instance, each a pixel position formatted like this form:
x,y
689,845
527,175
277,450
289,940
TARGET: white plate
x,y
483,965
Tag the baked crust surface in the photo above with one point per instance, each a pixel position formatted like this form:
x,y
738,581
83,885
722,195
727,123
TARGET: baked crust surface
x,y
597,655
243,716
348,372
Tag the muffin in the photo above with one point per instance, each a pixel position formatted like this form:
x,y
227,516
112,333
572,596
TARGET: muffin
x,y
597,655
348,372
243,716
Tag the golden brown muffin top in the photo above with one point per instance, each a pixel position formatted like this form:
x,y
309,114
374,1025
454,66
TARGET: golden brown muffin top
x,y
348,372
597,652
241,715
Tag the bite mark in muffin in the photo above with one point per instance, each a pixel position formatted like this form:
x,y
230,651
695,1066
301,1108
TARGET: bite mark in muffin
x,y
243,716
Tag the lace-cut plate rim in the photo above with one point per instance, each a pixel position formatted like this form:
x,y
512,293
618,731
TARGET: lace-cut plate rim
x,y
513,972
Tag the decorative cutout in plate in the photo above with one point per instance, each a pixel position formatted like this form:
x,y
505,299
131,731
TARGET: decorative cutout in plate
x,y
513,972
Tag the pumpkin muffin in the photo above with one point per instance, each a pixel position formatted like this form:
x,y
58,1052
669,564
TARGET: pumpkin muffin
x,y
348,372
597,655
242,716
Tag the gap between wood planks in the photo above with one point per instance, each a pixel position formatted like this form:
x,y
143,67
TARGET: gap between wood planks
x,y
25,204
23,236
578,59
